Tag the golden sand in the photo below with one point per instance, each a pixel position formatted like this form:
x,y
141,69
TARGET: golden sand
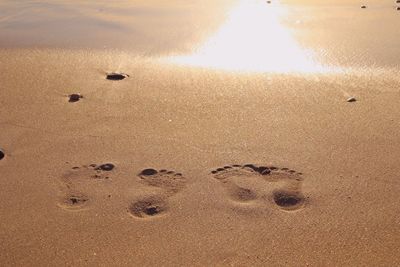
x,y
206,165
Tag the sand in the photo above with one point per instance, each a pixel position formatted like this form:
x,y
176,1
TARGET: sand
x,y
185,165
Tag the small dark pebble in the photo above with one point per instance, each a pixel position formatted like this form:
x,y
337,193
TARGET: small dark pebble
x,y
351,99
214,172
75,168
220,169
363,6
2,155
148,172
74,98
398,8
116,76
105,167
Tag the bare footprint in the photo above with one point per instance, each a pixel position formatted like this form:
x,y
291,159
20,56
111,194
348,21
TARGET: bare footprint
x,y
245,183
153,206
77,185
93,171
169,181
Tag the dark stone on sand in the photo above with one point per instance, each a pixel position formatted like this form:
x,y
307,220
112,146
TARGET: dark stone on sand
x,y
148,172
116,76
74,98
363,6
398,8
105,167
351,99
2,155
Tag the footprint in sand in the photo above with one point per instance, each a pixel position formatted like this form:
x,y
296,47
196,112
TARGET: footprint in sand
x,y
248,183
77,185
168,182
148,207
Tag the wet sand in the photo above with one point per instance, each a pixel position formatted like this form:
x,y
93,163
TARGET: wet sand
x,y
178,165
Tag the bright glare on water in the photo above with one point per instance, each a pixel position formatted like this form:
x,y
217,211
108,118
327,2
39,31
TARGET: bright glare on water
x,y
253,39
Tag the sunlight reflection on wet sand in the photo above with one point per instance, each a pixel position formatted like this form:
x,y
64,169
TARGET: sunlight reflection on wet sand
x,y
253,39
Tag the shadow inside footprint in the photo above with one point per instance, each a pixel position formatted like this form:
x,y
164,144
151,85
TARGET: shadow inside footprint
x,y
148,172
242,194
74,201
170,181
284,184
288,200
2,155
105,167
149,207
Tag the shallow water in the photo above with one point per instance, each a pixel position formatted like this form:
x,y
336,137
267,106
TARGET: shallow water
x,y
240,35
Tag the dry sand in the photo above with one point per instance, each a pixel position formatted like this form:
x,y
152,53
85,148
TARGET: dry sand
x,y
179,138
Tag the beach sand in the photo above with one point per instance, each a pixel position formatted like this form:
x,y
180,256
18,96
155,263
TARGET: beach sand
x,y
212,167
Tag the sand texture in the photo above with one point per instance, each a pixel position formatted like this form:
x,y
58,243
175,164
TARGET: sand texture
x,y
115,157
